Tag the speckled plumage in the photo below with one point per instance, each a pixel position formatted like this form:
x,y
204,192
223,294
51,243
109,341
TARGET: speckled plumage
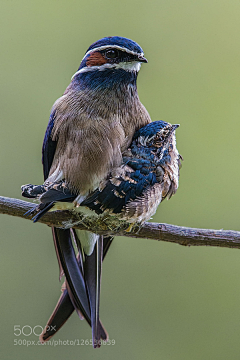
x,y
148,174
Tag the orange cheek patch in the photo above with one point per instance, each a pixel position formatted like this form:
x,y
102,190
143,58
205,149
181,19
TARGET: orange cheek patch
x,y
96,59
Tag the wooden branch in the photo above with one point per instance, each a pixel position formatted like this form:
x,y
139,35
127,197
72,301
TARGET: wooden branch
x,y
154,231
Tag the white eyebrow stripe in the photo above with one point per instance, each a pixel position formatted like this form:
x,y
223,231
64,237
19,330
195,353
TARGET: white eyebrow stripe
x,y
112,47
133,66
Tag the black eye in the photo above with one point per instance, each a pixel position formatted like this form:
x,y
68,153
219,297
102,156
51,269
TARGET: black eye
x,y
111,54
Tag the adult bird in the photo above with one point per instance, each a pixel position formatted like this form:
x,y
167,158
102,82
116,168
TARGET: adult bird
x,y
90,127
148,174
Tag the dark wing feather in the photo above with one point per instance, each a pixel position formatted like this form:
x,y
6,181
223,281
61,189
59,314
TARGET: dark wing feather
x,y
49,147
47,195
118,191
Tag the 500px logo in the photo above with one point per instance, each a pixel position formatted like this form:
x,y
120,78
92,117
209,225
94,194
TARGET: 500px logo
x,y
28,330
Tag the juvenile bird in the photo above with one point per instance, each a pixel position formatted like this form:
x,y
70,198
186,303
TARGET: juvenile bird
x,y
90,127
148,174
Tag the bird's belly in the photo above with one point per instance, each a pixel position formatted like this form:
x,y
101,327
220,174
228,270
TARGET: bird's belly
x,y
143,208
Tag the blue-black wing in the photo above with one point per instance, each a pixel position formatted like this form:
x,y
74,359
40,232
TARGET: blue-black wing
x,y
49,147
137,176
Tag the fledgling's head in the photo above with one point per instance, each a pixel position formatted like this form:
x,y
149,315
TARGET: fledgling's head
x,y
112,54
156,144
157,134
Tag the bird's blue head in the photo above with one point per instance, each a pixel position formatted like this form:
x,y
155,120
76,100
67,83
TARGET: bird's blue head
x,y
116,42
155,139
156,134
110,60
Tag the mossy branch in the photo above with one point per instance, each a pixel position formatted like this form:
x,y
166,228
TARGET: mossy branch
x,y
155,231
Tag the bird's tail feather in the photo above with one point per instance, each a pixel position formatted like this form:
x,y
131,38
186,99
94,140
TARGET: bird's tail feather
x,y
68,302
92,274
55,239
73,274
61,313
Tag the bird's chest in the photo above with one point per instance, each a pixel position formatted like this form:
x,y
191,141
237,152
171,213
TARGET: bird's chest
x,y
91,137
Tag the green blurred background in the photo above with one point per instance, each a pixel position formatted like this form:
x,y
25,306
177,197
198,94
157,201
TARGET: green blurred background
x,y
159,300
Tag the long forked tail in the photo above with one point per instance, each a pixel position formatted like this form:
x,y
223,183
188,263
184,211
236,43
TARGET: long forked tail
x,y
78,286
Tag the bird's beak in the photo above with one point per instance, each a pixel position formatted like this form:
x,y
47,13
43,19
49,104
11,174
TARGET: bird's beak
x,y
142,59
171,130
174,127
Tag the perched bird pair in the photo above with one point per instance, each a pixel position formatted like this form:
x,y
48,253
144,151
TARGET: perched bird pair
x,y
102,156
